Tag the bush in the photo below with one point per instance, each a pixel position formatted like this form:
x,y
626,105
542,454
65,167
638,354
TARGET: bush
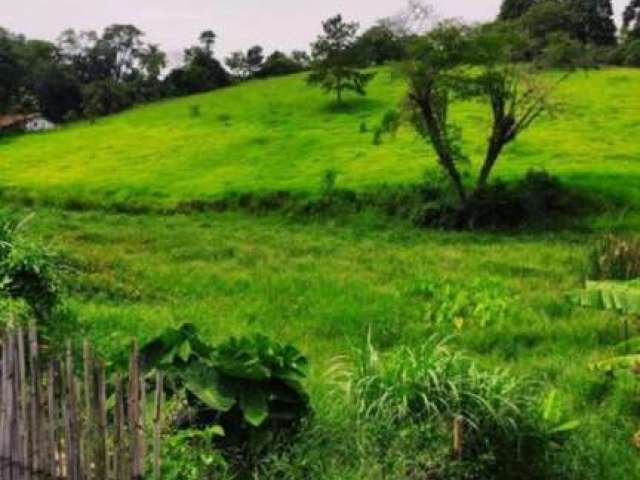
x,y
561,51
28,272
538,200
632,53
187,455
615,258
251,387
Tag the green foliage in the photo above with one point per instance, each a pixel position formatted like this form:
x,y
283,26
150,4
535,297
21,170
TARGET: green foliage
x,y
335,61
480,303
537,201
615,258
631,19
252,387
561,51
28,272
189,455
508,429
620,297
380,44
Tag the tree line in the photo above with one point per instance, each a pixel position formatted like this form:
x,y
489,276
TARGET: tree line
x,y
86,74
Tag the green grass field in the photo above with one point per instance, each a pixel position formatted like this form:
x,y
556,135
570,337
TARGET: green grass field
x,y
325,284
280,134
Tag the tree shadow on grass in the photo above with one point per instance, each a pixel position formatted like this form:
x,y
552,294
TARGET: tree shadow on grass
x,y
353,105
7,139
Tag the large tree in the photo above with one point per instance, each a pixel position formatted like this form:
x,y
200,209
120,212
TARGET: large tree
x,y
513,9
379,44
246,65
589,21
335,61
594,22
122,44
631,19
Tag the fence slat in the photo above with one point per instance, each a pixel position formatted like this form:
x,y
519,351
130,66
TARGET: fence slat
x,y
71,423
136,431
119,434
100,415
4,410
37,438
52,444
24,454
88,420
157,425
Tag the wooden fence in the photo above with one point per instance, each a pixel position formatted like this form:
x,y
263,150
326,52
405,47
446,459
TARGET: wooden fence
x,y
56,421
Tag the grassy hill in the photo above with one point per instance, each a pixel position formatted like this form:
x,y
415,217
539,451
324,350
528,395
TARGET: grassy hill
x,y
279,134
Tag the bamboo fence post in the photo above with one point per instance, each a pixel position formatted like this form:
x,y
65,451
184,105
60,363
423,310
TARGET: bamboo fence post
x,y
38,439
25,456
100,415
88,418
72,424
136,430
14,415
157,425
53,422
4,413
119,440
458,437
143,423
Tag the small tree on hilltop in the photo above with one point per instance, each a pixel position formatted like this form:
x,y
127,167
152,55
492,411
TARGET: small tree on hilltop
x,y
335,62
456,62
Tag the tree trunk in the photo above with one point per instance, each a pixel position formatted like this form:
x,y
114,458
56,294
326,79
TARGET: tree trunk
x,y
495,149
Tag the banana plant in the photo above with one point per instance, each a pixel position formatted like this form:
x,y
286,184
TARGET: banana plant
x,y
622,297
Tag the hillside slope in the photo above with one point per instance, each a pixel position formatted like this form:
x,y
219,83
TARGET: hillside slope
x,y
281,134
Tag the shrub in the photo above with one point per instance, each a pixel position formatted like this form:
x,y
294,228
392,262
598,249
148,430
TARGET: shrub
x,y
251,387
187,455
28,272
615,258
538,200
561,51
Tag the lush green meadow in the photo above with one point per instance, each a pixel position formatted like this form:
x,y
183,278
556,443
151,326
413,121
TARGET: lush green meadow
x,y
326,286
327,283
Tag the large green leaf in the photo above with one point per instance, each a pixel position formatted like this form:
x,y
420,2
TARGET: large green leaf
x,y
255,406
621,297
204,382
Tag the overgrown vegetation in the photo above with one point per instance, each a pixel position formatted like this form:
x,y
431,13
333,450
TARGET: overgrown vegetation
x,y
615,258
251,388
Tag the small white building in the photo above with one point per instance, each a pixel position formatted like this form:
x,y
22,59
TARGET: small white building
x,y
37,123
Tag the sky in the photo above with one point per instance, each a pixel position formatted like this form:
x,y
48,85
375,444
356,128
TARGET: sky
x,y
240,24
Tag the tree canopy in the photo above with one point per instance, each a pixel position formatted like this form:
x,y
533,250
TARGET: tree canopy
x,y
631,19
589,21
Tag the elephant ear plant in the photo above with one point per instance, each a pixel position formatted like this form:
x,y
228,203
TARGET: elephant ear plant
x,y
251,387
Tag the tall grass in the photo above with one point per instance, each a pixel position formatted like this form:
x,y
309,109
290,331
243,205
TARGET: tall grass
x,y
615,258
419,392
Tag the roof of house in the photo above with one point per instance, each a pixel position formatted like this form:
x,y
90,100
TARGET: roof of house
x,y
7,121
